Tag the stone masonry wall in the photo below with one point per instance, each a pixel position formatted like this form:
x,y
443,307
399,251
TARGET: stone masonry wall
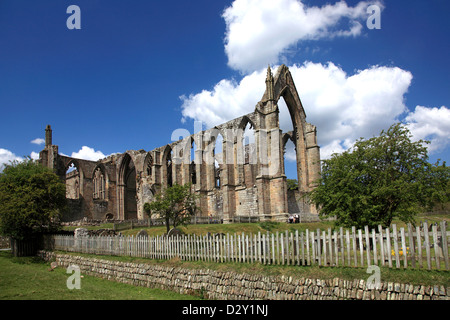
x,y
240,286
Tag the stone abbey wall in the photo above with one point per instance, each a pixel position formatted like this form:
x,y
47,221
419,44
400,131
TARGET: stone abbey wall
x,y
230,285
234,178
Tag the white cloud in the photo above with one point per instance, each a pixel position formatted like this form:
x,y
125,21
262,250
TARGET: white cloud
x,y
347,107
87,153
343,107
6,156
34,155
228,100
38,141
432,124
259,32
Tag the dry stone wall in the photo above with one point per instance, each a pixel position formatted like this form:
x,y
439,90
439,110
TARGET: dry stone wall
x,y
240,286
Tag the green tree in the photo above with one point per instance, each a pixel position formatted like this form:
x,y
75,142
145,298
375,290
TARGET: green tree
x,y
437,185
176,204
379,179
292,184
32,198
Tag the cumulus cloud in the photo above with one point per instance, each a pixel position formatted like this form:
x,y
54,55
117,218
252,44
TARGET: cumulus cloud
x,y
38,141
34,155
88,153
6,157
343,107
85,153
432,124
227,100
259,32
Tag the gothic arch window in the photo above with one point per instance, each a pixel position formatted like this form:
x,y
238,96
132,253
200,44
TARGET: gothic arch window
x,y
289,156
148,165
73,178
249,144
99,183
192,168
127,191
217,155
217,182
168,165
193,173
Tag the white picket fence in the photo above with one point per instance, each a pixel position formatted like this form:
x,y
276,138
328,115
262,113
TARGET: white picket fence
x,y
413,247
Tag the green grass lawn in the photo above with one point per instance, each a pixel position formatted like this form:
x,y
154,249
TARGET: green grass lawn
x,y
29,278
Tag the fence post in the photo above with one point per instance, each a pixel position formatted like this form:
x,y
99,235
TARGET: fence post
x,y
427,244
308,261
366,234
330,246
361,247
347,242
313,249
265,248
286,238
336,249
411,245
388,248
444,243
419,246
396,251
292,255
436,246
341,241
382,254
404,249
355,250
319,249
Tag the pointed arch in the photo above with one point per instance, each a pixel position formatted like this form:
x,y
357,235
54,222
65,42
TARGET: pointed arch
x,y
100,183
73,176
127,188
289,155
193,160
166,161
148,165
284,87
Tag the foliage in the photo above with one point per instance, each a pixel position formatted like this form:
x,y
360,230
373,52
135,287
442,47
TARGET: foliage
x,y
174,204
437,185
292,184
379,179
32,198
148,211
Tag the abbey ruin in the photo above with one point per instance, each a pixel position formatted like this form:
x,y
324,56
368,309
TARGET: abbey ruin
x,y
235,179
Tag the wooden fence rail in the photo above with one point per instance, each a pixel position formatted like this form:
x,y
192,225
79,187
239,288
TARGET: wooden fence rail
x,y
413,247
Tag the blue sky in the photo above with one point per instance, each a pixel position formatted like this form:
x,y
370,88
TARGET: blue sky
x,y
138,70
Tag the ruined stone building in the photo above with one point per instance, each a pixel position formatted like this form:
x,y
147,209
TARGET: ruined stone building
x,y
234,178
